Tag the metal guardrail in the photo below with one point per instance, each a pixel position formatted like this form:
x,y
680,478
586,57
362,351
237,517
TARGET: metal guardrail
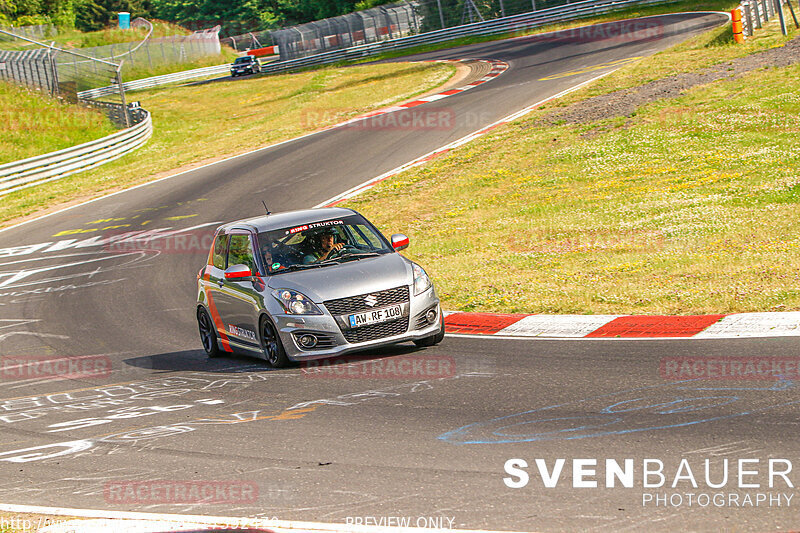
x,y
56,165
521,22
155,81
756,13
48,167
510,24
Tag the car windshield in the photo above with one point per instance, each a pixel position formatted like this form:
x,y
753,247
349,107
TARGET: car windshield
x,y
323,243
242,60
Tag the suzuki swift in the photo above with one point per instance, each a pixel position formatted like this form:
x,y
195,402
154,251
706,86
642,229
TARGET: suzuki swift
x,y
312,284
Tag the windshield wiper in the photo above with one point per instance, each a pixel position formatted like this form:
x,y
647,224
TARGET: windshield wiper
x,y
359,255
349,256
300,266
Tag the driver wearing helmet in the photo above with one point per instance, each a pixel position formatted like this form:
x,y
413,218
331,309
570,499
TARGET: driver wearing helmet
x,y
325,246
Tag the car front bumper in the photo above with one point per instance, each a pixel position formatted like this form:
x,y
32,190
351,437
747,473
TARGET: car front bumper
x,y
290,327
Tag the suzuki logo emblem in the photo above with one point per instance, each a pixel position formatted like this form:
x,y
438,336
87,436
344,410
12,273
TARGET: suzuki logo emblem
x,y
371,300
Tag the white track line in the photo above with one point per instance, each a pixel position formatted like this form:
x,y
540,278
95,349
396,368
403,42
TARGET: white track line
x,y
378,112
358,189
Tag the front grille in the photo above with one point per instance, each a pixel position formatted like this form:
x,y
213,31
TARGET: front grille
x,y
356,304
376,331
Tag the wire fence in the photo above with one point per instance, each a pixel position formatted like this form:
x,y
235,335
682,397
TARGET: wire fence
x,y
40,32
152,53
383,23
69,74
63,73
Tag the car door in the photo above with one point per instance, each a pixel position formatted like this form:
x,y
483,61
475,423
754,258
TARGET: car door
x,y
238,301
211,278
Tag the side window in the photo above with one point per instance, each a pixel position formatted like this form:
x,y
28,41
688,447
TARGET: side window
x,y
220,247
241,252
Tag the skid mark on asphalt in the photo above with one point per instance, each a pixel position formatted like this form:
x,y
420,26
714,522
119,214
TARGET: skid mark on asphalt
x,y
610,64
625,412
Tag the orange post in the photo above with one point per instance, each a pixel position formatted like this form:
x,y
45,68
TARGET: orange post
x,y
738,30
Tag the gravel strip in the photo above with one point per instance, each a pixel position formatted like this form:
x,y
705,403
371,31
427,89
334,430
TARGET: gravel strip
x,y
623,103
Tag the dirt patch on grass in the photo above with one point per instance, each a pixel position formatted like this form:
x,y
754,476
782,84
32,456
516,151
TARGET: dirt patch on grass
x,y
624,103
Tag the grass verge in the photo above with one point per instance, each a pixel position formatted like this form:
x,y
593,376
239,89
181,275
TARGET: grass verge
x,y
244,114
623,14
689,206
34,124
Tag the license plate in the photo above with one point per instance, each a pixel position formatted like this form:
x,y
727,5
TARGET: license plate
x,y
375,316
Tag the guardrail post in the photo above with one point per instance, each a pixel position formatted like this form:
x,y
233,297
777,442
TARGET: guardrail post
x,y
758,14
748,16
122,96
779,9
796,23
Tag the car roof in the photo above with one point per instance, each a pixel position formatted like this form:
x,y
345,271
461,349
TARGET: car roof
x,y
288,219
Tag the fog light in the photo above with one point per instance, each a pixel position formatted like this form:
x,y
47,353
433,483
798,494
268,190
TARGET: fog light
x,y
430,316
307,341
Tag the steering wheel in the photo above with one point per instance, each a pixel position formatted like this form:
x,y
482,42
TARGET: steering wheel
x,y
341,251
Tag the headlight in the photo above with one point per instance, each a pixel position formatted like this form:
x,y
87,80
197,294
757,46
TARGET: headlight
x,y
421,280
296,303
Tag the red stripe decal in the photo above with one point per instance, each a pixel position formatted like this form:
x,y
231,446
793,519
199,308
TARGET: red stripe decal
x,y
656,326
479,323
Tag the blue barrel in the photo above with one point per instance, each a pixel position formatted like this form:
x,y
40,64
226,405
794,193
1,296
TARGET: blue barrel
x,y
124,20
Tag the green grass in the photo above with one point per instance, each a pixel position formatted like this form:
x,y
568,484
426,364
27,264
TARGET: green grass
x,y
131,70
195,123
136,71
72,38
690,206
34,124
635,12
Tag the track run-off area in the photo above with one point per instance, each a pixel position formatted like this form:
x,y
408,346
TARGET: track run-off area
x,y
610,429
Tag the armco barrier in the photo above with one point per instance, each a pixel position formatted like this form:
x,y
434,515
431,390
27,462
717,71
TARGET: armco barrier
x,y
515,23
156,81
48,167
21,174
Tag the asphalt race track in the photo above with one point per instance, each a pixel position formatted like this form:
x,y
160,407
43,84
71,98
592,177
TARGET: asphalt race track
x,y
399,433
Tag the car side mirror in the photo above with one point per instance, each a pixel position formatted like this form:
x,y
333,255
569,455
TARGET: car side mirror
x,y
399,242
238,273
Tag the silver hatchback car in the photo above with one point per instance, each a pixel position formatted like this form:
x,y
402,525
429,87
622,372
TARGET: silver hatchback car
x,y
312,284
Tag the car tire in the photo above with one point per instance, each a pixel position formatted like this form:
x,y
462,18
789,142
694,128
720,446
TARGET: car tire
x,y
434,339
271,345
208,333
